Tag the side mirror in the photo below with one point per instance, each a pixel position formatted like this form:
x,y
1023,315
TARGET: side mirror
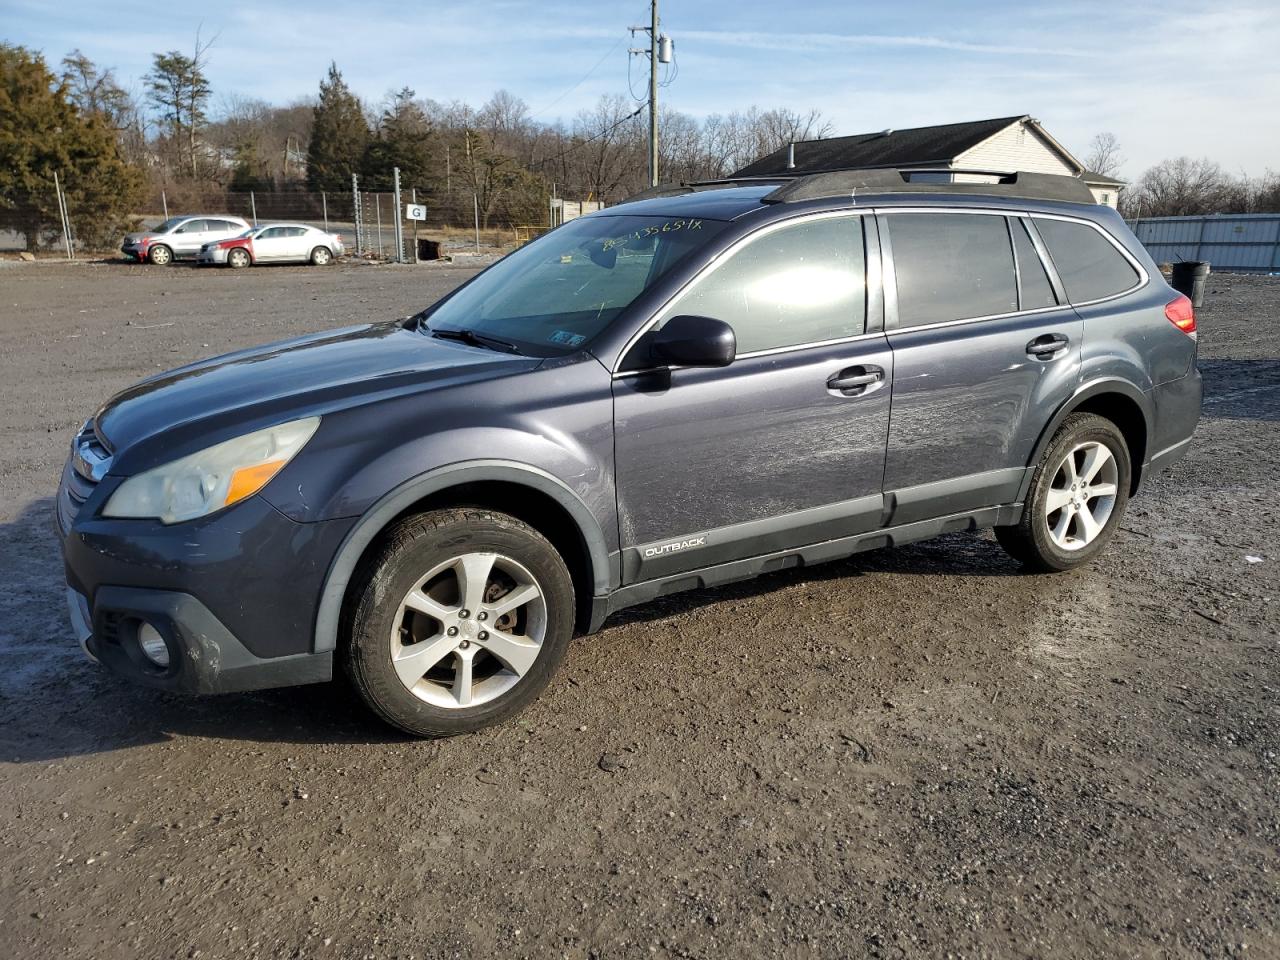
x,y
690,341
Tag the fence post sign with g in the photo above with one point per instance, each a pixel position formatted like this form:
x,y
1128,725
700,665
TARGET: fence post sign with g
x,y
415,211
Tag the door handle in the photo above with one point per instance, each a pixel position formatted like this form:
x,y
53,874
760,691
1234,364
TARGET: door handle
x,y
1047,346
855,380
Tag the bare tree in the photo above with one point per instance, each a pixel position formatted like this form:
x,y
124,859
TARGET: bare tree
x,y
607,149
1104,155
95,90
1177,188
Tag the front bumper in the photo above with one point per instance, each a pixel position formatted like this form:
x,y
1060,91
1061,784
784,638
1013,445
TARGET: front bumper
x,y
204,656
234,595
215,255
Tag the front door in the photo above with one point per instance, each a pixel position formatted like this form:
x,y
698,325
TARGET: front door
x,y
783,447
272,244
188,238
985,350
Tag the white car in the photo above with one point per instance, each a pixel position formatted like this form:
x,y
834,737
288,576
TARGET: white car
x,y
274,243
181,237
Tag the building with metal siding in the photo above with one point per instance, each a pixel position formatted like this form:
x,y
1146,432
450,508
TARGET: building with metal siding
x,y
1235,243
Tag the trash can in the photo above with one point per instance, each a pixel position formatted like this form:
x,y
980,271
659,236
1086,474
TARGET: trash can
x,y
428,249
1189,278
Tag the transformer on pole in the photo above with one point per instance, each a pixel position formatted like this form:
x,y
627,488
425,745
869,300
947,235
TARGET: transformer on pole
x,y
661,50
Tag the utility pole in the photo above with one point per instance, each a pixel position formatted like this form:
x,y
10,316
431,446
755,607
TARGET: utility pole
x,y
660,51
653,93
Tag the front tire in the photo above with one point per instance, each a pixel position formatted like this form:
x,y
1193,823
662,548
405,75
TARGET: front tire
x,y
160,255
320,256
238,257
1078,496
459,620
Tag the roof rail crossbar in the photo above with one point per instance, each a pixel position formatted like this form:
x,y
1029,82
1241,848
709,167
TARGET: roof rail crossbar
x,y
883,180
661,190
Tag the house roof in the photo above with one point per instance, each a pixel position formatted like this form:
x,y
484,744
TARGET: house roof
x,y
886,148
1101,179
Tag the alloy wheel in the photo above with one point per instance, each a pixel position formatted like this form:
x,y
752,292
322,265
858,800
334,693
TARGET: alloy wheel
x,y
469,630
1082,495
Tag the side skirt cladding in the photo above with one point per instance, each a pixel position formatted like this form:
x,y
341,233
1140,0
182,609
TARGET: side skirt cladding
x,y
836,549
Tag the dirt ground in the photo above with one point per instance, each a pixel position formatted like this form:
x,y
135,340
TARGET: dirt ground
x,y
918,752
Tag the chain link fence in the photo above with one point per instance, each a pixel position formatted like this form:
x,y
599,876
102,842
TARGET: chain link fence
x,y
53,221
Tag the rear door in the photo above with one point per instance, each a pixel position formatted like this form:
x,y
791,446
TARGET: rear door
x,y
985,350
222,230
785,446
301,241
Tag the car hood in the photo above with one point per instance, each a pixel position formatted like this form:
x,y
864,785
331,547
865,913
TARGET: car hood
x,y
189,408
143,235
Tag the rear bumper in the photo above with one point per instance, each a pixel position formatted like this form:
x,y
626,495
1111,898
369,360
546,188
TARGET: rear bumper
x,y
1176,405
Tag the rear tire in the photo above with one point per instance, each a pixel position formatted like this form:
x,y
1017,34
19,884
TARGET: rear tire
x,y
1078,496
160,255
457,621
238,257
320,256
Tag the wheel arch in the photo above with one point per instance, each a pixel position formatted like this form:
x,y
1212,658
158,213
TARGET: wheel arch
x,y
529,494
1116,400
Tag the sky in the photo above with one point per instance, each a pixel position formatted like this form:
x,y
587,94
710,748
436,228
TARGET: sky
x,y
1168,78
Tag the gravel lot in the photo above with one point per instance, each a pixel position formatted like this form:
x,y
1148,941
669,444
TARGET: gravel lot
x,y
918,752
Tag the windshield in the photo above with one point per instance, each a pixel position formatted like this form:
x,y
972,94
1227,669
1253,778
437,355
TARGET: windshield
x,y
169,224
556,293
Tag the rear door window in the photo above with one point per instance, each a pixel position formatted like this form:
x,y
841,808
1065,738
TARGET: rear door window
x,y
951,266
796,285
1089,264
1034,289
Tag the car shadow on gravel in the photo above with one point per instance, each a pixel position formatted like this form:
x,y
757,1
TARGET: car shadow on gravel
x,y
953,555
1241,389
56,703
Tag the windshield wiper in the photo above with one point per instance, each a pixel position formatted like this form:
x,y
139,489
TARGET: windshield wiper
x,y
471,338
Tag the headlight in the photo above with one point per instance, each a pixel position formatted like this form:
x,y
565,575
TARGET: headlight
x,y
213,478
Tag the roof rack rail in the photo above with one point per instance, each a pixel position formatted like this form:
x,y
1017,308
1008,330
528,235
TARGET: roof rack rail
x,y
882,180
697,186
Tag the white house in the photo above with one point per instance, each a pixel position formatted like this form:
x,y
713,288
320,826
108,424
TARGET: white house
x,y
1003,145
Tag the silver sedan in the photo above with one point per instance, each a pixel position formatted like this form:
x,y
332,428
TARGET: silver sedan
x,y
274,243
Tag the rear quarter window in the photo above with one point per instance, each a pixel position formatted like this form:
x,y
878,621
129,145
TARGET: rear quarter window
x,y
1089,264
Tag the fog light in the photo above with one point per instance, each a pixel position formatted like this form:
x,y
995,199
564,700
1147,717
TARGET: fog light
x,y
153,645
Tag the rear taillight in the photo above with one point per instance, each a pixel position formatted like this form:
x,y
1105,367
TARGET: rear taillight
x,y
1182,315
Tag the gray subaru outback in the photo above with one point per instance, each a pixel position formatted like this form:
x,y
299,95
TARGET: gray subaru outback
x,y
700,386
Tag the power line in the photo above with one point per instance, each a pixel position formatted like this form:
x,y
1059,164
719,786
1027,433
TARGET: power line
x,y
603,133
580,82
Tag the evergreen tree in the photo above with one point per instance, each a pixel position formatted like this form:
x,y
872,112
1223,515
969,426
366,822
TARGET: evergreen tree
x,y
339,136
42,133
178,88
404,140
